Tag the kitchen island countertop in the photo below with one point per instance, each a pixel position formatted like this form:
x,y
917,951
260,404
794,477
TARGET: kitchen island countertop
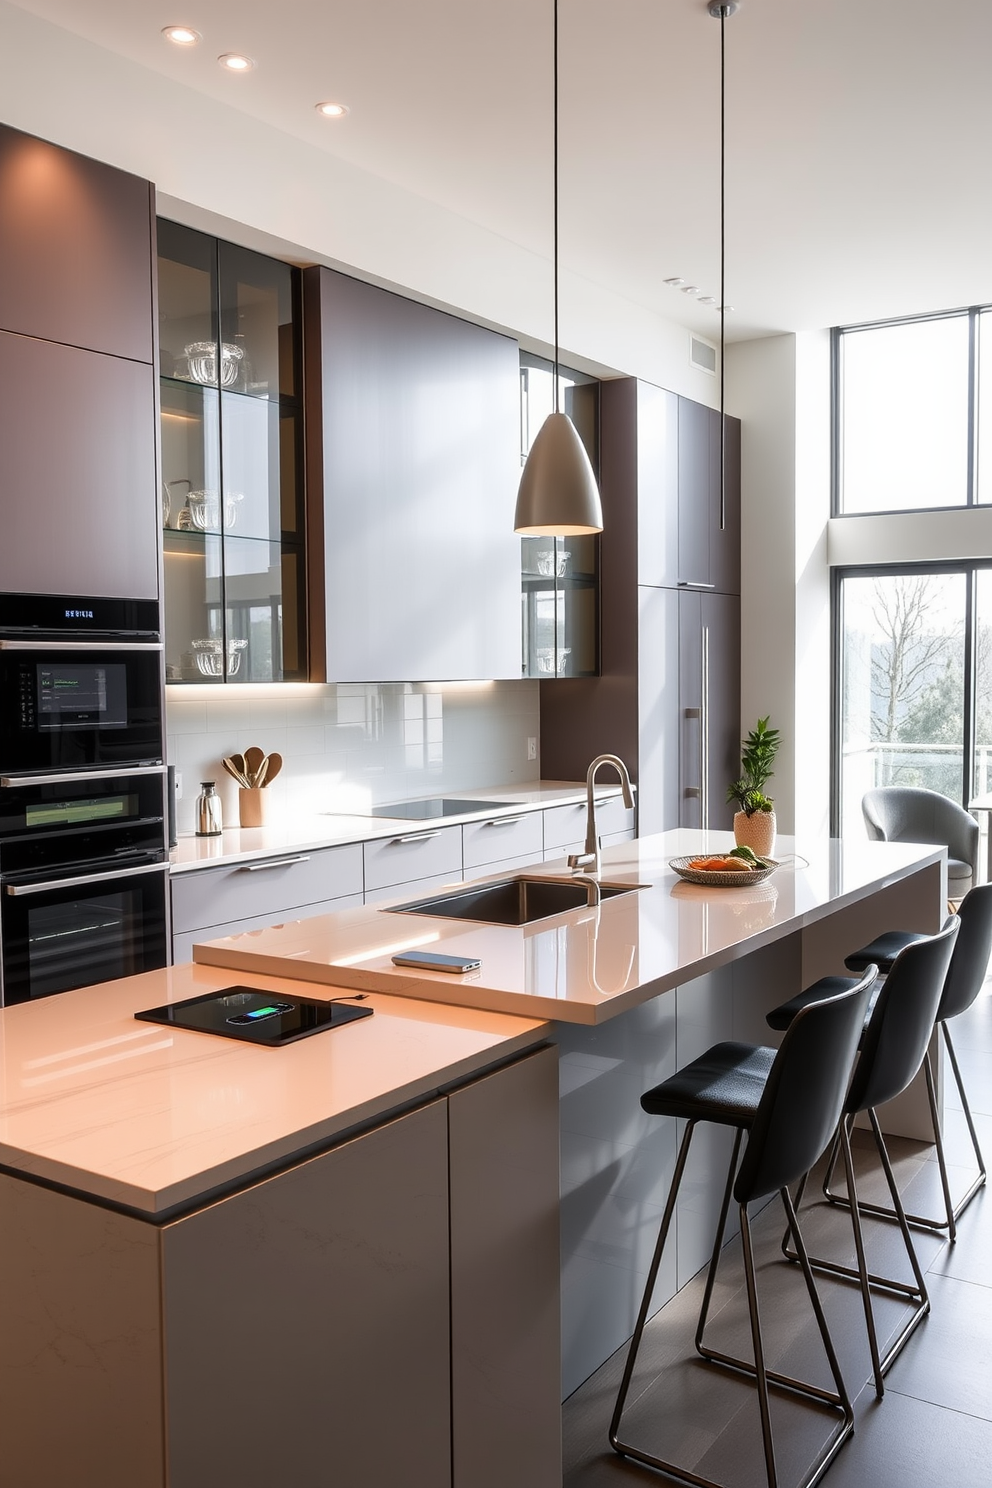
x,y
590,964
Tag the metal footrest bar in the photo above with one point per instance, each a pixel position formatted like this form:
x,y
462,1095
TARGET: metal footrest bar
x,y
915,1293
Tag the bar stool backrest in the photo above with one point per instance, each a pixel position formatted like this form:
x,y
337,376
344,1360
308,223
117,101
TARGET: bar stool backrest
x,y
804,1094
972,949
899,1031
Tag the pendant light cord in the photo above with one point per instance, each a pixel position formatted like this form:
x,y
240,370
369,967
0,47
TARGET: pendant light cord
x,y
723,263
555,194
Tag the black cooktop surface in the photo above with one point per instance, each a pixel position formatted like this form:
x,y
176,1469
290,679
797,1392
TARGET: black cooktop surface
x,y
256,1017
436,806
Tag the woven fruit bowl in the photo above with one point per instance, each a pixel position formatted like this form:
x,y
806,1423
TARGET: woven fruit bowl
x,y
720,878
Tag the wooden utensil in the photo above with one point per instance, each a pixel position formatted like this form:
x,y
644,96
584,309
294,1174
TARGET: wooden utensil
x,y
234,764
261,774
273,765
253,759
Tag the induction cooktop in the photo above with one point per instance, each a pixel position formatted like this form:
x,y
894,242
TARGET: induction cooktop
x,y
257,1017
435,806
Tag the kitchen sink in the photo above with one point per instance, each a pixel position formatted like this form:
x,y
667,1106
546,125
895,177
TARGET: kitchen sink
x,y
511,901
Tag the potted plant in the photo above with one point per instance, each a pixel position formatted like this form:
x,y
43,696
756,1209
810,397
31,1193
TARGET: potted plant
x,y
754,821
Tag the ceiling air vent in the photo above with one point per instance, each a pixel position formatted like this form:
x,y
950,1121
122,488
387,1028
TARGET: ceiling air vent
x,y
702,354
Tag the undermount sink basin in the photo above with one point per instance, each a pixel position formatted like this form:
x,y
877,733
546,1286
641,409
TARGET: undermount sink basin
x,y
511,901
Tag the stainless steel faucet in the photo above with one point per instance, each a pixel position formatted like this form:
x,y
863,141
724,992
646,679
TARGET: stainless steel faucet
x,y
589,861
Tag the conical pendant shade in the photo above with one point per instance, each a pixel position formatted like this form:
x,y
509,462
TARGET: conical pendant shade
x,y
558,496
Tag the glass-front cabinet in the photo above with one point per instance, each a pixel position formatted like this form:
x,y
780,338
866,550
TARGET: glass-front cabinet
x,y
232,462
560,575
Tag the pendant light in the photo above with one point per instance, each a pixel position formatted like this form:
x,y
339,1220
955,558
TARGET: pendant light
x,y
558,496
722,10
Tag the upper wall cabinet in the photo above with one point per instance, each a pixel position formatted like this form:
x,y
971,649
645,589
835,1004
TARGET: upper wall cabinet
x,y
232,466
75,249
709,514
560,576
413,438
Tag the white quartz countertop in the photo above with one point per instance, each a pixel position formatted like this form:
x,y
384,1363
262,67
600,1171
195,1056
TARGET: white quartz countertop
x,y
151,1117
588,964
327,829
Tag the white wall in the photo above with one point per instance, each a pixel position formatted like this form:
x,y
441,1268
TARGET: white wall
x,y
779,386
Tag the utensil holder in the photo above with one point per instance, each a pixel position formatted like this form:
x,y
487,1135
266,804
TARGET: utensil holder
x,y
253,806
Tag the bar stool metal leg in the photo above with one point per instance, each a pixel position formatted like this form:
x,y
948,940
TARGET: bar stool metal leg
x,y
952,1210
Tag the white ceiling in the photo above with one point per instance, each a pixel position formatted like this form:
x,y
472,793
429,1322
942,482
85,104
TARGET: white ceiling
x,y
858,132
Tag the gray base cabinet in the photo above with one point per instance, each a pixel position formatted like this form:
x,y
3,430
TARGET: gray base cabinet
x,y
385,1312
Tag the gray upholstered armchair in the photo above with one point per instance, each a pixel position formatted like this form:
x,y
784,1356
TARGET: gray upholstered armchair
x,y
898,813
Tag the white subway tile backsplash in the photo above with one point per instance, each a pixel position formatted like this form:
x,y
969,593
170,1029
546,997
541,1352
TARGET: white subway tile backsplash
x,y
350,746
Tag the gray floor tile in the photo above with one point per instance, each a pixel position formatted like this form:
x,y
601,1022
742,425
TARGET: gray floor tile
x,y
905,1443
949,1361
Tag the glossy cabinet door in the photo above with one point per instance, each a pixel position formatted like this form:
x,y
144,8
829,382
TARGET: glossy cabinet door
x,y
560,577
307,1321
709,533
413,439
560,586
709,706
75,249
655,436
232,467
77,472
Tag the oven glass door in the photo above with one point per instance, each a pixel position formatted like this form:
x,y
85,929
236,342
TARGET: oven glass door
x,y
57,821
57,935
72,706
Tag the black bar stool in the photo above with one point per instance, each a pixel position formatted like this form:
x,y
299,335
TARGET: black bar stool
x,y
789,1103
893,1047
965,977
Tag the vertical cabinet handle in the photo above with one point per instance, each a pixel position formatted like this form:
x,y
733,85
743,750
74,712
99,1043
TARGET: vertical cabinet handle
x,y
704,731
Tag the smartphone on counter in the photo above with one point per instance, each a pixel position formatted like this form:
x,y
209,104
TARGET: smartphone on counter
x,y
433,961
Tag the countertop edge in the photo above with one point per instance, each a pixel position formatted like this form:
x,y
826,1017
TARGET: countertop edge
x,y
304,834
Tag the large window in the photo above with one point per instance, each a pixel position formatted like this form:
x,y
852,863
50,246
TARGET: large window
x,y
913,415
915,683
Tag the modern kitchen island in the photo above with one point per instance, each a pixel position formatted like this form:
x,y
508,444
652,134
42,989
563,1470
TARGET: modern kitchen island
x,y
337,1261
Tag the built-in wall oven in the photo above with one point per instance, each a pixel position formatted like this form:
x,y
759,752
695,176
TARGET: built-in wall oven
x,y
83,854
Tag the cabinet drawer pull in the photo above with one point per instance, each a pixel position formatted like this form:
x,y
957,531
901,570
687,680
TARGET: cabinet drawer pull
x,y
504,821
694,584
274,863
413,837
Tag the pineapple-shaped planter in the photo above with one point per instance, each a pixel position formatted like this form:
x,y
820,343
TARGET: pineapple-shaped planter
x,y
756,831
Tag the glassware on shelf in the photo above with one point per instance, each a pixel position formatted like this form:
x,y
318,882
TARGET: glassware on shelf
x,y
202,510
551,564
546,661
209,654
201,361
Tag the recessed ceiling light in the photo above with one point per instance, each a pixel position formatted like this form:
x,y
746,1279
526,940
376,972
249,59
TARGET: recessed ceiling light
x,y
181,35
236,62
332,110
707,300
690,289
675,283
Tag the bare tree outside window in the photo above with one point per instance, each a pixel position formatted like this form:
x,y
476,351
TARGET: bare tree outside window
x,y
903,697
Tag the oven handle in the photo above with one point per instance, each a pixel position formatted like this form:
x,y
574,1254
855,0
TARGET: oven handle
x,y
70,777
93,645
16,890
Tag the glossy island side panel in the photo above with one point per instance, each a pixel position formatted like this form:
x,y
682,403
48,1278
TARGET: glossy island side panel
x,y
151,1118
590,964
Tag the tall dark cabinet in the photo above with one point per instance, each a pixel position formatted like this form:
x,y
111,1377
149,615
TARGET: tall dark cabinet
x,y
668,697
77,391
